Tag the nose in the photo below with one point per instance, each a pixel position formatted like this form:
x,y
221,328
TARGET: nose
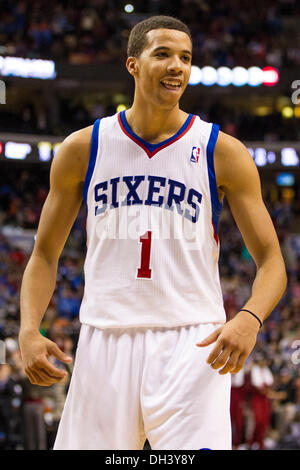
x,y
175,65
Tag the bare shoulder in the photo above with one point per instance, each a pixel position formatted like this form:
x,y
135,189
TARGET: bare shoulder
x,y
80,138
72,157
234,166
67,175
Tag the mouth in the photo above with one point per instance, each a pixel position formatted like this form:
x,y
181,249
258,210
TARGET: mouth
x,y
171,85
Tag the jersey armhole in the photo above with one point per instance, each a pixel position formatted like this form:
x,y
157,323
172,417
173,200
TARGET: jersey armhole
x,y
215,202
92,159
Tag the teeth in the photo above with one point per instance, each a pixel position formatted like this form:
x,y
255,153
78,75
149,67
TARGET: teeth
x,y
171,83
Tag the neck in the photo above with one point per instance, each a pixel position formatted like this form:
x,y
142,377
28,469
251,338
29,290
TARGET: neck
x,y
154,123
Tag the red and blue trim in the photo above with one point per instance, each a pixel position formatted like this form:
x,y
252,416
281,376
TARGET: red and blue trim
x,y
92,159
215,202
152,149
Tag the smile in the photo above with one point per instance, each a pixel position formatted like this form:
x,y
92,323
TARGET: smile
x,y
170,85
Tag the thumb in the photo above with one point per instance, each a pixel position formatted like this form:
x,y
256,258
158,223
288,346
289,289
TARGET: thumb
x,y
209,339
58,353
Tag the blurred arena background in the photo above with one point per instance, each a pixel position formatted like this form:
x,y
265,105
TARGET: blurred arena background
x,y
62,65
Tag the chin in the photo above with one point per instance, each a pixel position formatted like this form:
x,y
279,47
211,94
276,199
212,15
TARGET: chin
x,y
169,101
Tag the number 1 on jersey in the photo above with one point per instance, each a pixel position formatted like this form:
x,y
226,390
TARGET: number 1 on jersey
x,y
144,272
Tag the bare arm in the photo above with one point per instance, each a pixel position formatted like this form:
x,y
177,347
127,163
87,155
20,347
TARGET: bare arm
x,y
238,178
59,212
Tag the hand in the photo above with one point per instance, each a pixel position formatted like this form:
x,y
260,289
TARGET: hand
x,y
35,350
234,342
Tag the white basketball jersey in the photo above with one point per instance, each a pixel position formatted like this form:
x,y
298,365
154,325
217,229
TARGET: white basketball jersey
x,y
152,228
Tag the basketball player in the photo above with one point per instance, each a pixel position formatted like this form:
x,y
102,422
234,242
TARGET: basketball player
x,y
155,352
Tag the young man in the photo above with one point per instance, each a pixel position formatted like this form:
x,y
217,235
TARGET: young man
x,y
155,353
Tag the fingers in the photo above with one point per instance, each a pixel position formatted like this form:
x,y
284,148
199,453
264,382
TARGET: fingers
x,y
215,353
240,364
43,378
43,373
39,369
220,356
233,344
227,361
231,363
46,374
220,360
58,353
30,376
210,339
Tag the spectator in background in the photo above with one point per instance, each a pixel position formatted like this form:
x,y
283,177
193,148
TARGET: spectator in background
x,y
6,393
261,380
237,407
68,302
292,439
284,406
35,434
11,395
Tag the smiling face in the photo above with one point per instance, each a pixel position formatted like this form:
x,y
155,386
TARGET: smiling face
x,y
163,68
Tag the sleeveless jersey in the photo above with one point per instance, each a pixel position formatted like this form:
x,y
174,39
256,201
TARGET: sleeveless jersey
x,y
152,228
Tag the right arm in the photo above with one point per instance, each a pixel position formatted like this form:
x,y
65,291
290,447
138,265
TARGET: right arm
x,y
59,212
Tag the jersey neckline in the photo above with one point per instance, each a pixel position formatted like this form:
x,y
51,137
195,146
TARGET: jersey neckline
x,y
152,149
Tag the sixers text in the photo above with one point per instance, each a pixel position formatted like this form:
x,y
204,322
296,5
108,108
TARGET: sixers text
x,y
106,193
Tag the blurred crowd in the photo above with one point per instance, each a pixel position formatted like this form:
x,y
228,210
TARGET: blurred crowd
x,y
265,394
227,33
231,32
265,405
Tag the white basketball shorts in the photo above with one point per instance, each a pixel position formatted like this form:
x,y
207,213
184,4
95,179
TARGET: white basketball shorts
x,y
133,384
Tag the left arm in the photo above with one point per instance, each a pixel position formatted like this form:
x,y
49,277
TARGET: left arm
x,y
237,177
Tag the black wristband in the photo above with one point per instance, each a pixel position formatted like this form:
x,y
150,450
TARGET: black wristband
x,y
253,314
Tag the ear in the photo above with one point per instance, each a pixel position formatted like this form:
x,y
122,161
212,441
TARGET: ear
x,y
131,65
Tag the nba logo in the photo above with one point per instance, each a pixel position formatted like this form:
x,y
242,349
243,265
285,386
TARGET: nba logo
x,y
195,155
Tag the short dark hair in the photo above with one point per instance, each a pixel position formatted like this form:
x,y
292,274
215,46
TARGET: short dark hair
x,y
137,39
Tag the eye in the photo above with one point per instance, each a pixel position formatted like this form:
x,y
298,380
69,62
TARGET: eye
x,y
186,58
161,54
